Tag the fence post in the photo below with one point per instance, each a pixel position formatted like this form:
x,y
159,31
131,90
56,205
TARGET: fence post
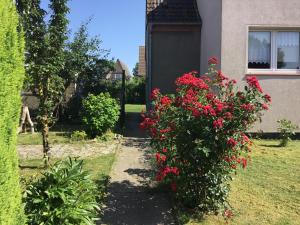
x,y
123,99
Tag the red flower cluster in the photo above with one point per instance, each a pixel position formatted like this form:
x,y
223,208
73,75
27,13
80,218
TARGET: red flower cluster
x,y
155,93
232,143
166,171
253,82
190,80
165,101
213,61
218,124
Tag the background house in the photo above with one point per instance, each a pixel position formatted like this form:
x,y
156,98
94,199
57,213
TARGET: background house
x,y
116,74
250,37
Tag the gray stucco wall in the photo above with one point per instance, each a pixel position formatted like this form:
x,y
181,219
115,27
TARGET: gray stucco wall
x,y
237,16
173,53
211,14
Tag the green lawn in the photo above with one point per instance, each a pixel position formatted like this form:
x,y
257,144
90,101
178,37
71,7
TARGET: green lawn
x,y
268,191
134,108
36,138
99,167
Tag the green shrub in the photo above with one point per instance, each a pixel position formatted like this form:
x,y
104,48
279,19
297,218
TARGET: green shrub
x,y
136,91
286,129
11,79
78,136
99,114
64,195
198,136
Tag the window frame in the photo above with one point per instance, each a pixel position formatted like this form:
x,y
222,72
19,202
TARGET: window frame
x,y
274,52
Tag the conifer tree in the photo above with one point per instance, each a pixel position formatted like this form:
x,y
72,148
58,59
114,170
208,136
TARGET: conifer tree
x,y
11,80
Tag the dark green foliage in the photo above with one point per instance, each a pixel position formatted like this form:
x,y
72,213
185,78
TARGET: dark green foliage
x,y
135,71
11,80
136,91
100,114
86,64
286,129
64,195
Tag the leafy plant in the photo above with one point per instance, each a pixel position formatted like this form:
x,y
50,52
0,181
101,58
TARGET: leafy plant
x,y
11,81
198,136
286,129
64,195
100,113
78,136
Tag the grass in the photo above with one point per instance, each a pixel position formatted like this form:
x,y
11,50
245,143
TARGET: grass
x,y
36,138
268,191
99,167
129,108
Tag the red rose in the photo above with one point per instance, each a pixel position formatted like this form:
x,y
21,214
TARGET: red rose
x,y
253,82
218,124
268,98
155,93
232,143
213,61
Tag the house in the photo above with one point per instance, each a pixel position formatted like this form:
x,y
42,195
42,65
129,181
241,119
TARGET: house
x,y
250,37
116,74
142,62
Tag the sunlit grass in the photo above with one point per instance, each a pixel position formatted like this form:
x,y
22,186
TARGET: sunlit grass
x,y
268,191
129,108
98,167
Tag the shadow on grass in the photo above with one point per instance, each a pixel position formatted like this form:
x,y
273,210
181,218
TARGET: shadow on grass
x,y
23,167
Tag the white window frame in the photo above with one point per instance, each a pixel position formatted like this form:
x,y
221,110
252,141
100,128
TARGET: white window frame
x,y
274,54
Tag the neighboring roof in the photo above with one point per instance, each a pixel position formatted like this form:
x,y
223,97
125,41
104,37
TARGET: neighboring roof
x,y
118,69
120,66
173,11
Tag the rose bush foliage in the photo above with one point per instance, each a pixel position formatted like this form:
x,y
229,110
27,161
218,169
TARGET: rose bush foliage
x,y
199,137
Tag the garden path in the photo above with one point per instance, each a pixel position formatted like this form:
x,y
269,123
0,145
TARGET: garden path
x,y
131,199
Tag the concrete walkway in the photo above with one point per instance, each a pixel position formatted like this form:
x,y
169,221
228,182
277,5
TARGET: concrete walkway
x,y
131,201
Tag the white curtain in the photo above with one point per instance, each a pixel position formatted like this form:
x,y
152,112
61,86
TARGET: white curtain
x,y
288,50
259,50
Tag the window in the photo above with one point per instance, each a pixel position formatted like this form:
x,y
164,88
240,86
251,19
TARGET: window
x,y
275,50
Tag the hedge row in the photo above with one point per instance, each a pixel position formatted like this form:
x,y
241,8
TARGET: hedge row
x,y
11,79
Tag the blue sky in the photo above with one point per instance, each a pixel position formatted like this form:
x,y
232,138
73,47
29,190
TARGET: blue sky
x,y
120,24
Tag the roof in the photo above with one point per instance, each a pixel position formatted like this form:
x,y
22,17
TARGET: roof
x,y
120,66
173,11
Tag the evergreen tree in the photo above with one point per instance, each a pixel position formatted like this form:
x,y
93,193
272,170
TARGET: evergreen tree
x,y
11,80
135,71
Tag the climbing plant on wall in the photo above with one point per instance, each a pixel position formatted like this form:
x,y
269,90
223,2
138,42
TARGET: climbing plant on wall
x,y
11,79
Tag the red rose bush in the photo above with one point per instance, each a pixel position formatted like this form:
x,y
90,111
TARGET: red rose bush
x,y
198,135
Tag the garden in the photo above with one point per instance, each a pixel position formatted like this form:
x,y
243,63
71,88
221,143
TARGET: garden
x,y
199,151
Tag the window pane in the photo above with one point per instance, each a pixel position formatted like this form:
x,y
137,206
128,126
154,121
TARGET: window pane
x,y
259,50
287,50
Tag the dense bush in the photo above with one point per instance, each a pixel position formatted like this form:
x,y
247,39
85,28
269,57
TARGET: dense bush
x,y
198,136
78,136
64,195
11,79
286,129
136,91
99,114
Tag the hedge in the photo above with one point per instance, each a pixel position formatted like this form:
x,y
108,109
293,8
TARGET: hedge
x,y
11,79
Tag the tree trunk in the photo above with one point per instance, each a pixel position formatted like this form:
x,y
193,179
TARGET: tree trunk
x,y
46,146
